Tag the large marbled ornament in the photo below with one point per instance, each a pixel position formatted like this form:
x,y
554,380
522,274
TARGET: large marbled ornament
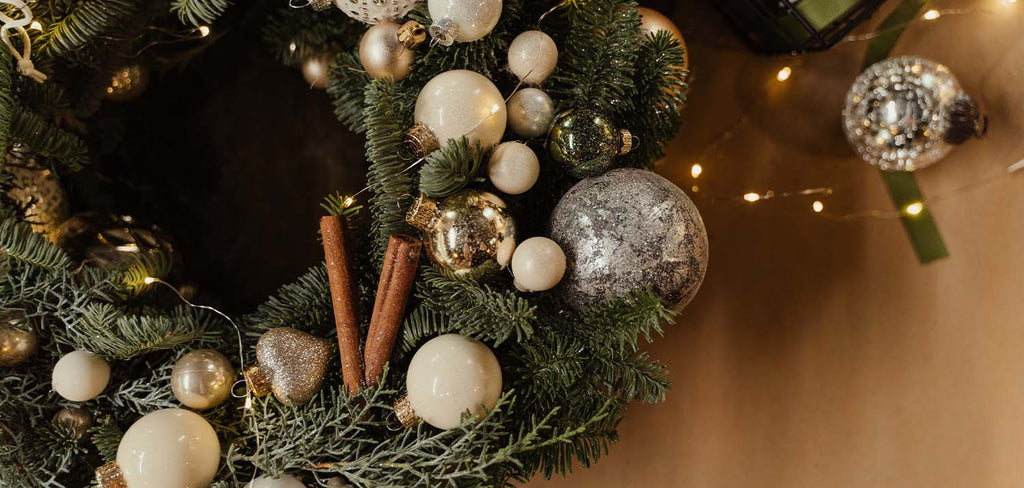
x,y
625,230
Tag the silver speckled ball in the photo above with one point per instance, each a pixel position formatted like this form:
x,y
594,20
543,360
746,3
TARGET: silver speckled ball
x,y
898,112
625,230
530,112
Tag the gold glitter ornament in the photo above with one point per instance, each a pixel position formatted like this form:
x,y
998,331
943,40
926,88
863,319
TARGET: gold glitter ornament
x,y
36,190
18,340
468,233
127,83
292,364
202,379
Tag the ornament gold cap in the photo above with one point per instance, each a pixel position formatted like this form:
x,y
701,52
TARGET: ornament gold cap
x,y
627,141
422,212
110,476
320,5
421,140
411,34
405,413
257,381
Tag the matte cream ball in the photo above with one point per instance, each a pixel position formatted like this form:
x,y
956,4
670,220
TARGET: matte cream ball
x,y
202,379
80,376
285,481
513,168
532,56
538,264
462,20
530,112
452,374
462,103
382,54
171,448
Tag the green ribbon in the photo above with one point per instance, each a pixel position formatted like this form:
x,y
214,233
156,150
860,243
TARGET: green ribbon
x,y
924,234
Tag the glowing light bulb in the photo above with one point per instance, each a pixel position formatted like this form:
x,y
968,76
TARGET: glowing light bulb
x,y
130,247
817,206
149,280
931,15
349,201
752,197
784,74
292,47
696,170
914,209
204,30
36,25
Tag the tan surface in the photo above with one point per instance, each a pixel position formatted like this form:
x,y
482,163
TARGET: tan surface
x,y
820,354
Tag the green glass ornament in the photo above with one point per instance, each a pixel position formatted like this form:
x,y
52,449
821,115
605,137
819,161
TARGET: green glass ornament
x,y
586,143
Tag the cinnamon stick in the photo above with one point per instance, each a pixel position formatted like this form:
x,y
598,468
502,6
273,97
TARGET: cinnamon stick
x,y
334,230
393,291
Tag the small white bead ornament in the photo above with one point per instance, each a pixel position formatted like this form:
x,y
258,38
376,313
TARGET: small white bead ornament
x,y
513,168
80,376
538,264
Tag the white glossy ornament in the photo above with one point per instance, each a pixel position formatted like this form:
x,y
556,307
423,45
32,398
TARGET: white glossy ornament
x,y
532,56
513,168
538,264
530,112
462,20
170,448
374,11
452,374
286,481
460,103
80,376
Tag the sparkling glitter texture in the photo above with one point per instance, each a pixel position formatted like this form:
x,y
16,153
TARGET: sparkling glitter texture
x,y
626,230
293,363
898,112
469,233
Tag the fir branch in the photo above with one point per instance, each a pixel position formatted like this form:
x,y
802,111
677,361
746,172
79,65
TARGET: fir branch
x,y
106,436
6,99
451,168
48,140
346,86
304,305
661,94
293,34
199,12
18,242
85,21
107,331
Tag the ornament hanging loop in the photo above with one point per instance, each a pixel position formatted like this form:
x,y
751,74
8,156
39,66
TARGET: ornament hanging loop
x,y
24,57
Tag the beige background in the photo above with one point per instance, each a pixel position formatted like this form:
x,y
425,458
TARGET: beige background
x,y
819,352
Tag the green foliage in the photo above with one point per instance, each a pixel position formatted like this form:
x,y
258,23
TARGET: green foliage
x,y
7,75
18,242
451,168
82,22
199,12
293,34
48,140
346,85
661,87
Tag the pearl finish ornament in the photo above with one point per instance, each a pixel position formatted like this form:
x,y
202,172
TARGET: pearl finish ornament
x,y
513,168
202,379
292,365
375,11
461,103
538,264
171,448
286,481
462,20
382,54
625,230
80,376
469,233
906,113
530,112
532,57
450,375
316,70
586,142
18,339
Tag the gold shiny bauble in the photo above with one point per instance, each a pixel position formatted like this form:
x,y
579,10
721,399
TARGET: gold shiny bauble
x,y
316,70
78,419
202,379
468,233
292,364
127,83
18,341
652,21
382,54
37,191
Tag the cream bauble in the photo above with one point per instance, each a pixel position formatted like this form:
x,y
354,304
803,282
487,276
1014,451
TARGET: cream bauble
x,y
530,112
382,54
538,264
316,70
450,375
462,20
461,103
80,376
285,481
513,168
202,379
532,56
171,448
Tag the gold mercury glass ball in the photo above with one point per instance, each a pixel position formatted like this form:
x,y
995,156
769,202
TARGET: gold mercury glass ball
x,y
202,379
468,233
127,83
382,54
18,342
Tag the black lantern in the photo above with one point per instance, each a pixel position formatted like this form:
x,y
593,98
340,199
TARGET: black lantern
x,y
793,26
